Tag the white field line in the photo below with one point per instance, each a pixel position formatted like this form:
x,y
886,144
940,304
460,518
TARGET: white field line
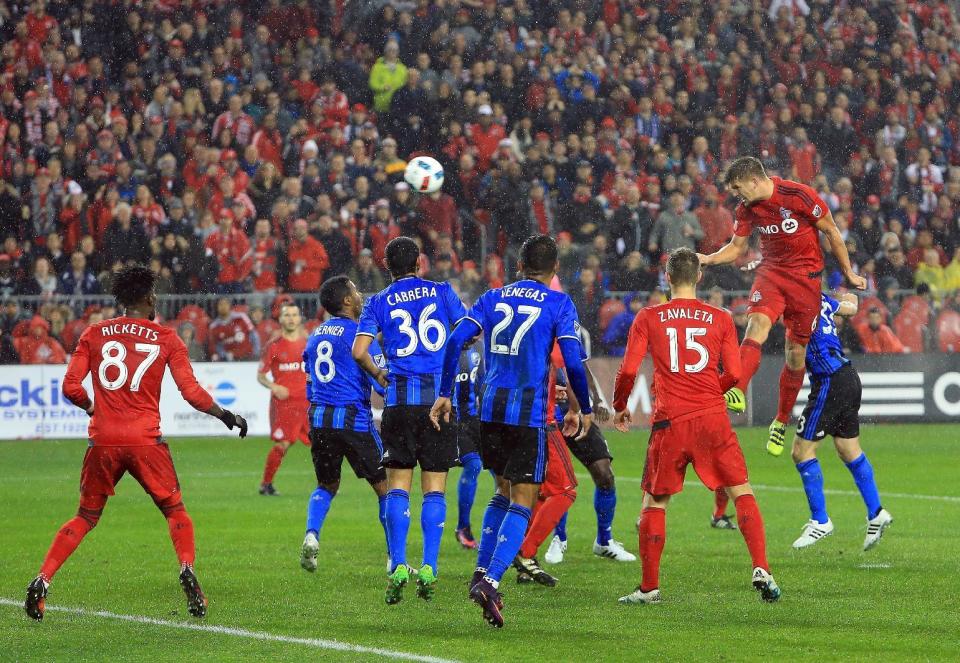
x,y
316,643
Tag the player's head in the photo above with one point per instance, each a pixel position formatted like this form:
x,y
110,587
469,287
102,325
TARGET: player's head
x,y
538,257
340,297
683,269
290,317
133,289
746,179
403,256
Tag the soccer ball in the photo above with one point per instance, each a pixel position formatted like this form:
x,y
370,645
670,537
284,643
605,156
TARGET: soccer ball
x,y
424,174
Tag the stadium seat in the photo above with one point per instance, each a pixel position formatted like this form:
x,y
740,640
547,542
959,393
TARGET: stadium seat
x,y
948,331
910,330
609,310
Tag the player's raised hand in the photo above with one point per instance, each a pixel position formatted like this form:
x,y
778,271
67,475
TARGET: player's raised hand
x,y
857,281
442,407
622,421
704,260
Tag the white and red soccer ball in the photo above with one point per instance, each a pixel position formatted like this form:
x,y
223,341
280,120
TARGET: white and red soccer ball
x,y
424,174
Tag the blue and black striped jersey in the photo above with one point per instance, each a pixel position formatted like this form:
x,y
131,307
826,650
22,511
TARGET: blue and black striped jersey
x,y
469,374
824,352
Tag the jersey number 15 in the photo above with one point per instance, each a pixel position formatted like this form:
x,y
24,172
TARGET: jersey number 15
x,y
692,345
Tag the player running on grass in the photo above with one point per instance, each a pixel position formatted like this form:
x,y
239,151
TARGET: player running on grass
x,y
788,216
520,323
832,409
127,357
282,359
469,374
414,316
687,340
341,422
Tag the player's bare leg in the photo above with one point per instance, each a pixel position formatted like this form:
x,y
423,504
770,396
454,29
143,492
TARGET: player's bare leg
x,y
652,529
758,329
720,519
751,527
274,458
791,379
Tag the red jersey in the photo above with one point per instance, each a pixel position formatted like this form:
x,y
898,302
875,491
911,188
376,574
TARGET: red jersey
x,y
127,358
283,360
687,340
230,338
789,239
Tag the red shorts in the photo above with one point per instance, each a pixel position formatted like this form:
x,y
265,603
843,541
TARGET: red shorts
x,y
289,422
104,466
559,477
708,442
795,297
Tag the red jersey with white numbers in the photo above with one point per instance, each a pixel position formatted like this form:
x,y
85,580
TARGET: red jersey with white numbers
x,y
789,239
283,360
126,358
687,341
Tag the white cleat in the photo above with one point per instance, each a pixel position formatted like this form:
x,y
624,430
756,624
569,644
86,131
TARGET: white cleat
x,y
613,550
813,532
308,552
875,527
556,550
640,597
764,583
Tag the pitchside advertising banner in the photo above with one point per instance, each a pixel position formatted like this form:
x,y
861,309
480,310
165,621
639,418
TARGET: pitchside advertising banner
x,y
895,388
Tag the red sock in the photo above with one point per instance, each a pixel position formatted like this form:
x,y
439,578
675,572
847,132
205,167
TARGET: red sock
x,y
720,500
181,533
546,516
653,534
751,526
64,543
749,361
274,458
790,382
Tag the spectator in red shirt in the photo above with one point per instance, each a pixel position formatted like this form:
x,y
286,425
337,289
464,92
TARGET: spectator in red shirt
x,y
485,136
876,337
437,215
804,159
39,347
715,220
269,142
240,124
266,250
232,336
308,260
231,248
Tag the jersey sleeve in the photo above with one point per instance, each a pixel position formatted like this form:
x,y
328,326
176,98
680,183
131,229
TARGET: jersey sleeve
x,y
455,308
476,311
182,372
729,354
266,359
369,324
77,370
810,202
632,358
832,303
376,352
741,222
568,325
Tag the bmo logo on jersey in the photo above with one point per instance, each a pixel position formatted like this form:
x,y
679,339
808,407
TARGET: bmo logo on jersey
x,y
788,226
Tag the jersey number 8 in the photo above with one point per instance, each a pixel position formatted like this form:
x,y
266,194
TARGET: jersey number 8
x,y
420,335
323,367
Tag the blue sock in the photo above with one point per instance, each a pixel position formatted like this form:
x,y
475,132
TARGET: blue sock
x,y
382,499
398,524
432,516
317,509
812,479
512,530
467,488
605,504
862,472
490,528
561,528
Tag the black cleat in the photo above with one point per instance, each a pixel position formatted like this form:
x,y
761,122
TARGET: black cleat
x,y
489,599
36,601
268,489
196,601
529,570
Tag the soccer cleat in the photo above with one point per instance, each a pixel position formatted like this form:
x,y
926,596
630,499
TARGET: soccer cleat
x,y
875,527
778,430
556,550
529,566
487,597
308,552
613,550
196,601
36,601
396,581
723,522
524,578
465,538
735,400
640,597
268,489
764,583
426,582
813,532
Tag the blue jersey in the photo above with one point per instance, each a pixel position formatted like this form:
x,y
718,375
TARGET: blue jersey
x,y
414,317
469,374
824,352
337,388
520,322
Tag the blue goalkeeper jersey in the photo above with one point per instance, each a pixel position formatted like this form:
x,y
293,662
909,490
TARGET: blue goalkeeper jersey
x,y
824,352
337,388
520,323
415,317
469,375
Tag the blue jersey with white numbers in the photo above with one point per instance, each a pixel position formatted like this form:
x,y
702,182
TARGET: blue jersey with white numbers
x,y
520,323
469,374
415,317
824,352
337,388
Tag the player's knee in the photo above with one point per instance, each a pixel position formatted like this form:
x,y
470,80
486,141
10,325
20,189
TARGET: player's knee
x,y
847,450
331,488
758,327
802,451
571,494
170,505
602,473
796,356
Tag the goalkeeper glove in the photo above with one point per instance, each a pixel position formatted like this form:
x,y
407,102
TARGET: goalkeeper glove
x,y
231,421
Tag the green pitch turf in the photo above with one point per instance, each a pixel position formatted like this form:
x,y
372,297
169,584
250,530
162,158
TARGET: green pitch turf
x,y
897,602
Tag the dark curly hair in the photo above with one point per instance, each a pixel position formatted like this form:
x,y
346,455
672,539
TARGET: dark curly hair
x,y
132,284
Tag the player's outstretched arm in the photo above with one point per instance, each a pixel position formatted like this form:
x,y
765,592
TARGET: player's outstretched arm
x,y
838,248
726,254
361,355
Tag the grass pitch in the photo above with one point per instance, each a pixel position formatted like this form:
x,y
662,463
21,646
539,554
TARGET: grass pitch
x,y
897,602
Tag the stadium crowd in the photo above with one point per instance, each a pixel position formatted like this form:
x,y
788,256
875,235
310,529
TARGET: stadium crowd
x,y
241,147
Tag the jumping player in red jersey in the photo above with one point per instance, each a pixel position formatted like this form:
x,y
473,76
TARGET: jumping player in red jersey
x,y
688,340
788,215
127,357
282,358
